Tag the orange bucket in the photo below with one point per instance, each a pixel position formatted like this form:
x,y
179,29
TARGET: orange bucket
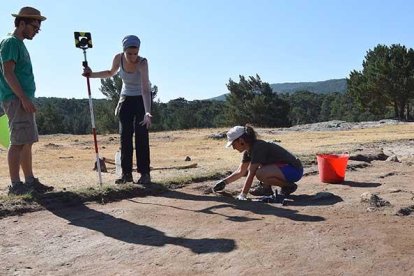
x,y
332,167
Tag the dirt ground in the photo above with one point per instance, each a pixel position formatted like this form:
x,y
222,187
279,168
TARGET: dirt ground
x,y
364,226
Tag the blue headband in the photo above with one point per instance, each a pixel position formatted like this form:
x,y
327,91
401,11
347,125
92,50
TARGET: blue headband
x,y
130,41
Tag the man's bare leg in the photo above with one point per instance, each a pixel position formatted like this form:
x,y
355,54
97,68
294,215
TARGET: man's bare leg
x,y
13,158
26,161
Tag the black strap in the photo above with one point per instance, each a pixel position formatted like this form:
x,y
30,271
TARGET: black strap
x,y
122,63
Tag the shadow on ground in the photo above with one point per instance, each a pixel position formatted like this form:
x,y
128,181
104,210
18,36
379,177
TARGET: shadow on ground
x,y
359,184
362,184
79,214
227,201
72,206
314,200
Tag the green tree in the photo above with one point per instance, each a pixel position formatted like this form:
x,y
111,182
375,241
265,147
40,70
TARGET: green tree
x,y
178,114
111,88
386,80
182,114
50,120
253,101
305,107
105,120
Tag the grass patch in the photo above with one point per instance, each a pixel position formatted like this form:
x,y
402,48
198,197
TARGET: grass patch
x,y
181,181
16,205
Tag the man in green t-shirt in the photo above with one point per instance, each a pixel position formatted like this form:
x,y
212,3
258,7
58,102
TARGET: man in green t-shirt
x,y
17,90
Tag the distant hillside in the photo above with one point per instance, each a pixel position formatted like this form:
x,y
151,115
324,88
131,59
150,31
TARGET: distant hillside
x,y
320,87
218,98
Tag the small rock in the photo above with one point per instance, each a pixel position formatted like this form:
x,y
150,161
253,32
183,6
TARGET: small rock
x,y
365,197
52,145
218,136
387,175
188,158
374,200
102,165
369,155
392,158
408,160
405,211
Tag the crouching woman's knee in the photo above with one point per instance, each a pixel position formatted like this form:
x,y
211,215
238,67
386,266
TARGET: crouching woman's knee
x,y
260,174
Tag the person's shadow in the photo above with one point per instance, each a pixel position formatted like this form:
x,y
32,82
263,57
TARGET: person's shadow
x,y
81,215
230,202
319,199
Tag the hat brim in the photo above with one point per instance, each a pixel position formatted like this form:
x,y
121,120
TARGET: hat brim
x,y
229,143
38,17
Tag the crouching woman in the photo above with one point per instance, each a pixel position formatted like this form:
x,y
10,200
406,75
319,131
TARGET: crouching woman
x,y
270,163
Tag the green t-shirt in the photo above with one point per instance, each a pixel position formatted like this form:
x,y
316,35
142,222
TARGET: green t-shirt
x,y
266,153
12,48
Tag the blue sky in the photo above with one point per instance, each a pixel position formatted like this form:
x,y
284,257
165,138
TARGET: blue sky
x,y
195,46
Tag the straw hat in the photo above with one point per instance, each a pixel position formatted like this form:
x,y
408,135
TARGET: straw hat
x,y
29,12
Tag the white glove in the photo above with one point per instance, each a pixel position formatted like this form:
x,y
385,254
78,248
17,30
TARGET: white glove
x,y
219,186
241,196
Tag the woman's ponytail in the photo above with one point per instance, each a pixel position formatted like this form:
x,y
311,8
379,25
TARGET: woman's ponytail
x,y
250,135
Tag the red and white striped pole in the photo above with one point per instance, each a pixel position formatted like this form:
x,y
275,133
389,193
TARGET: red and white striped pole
x,y
98,163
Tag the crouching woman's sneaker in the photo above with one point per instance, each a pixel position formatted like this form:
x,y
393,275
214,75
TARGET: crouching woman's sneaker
x,y
288,189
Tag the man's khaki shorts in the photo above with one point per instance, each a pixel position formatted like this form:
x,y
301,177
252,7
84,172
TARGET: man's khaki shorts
x,y
22,125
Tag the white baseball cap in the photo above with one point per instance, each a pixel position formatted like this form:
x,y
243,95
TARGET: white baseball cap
x,y
233,134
